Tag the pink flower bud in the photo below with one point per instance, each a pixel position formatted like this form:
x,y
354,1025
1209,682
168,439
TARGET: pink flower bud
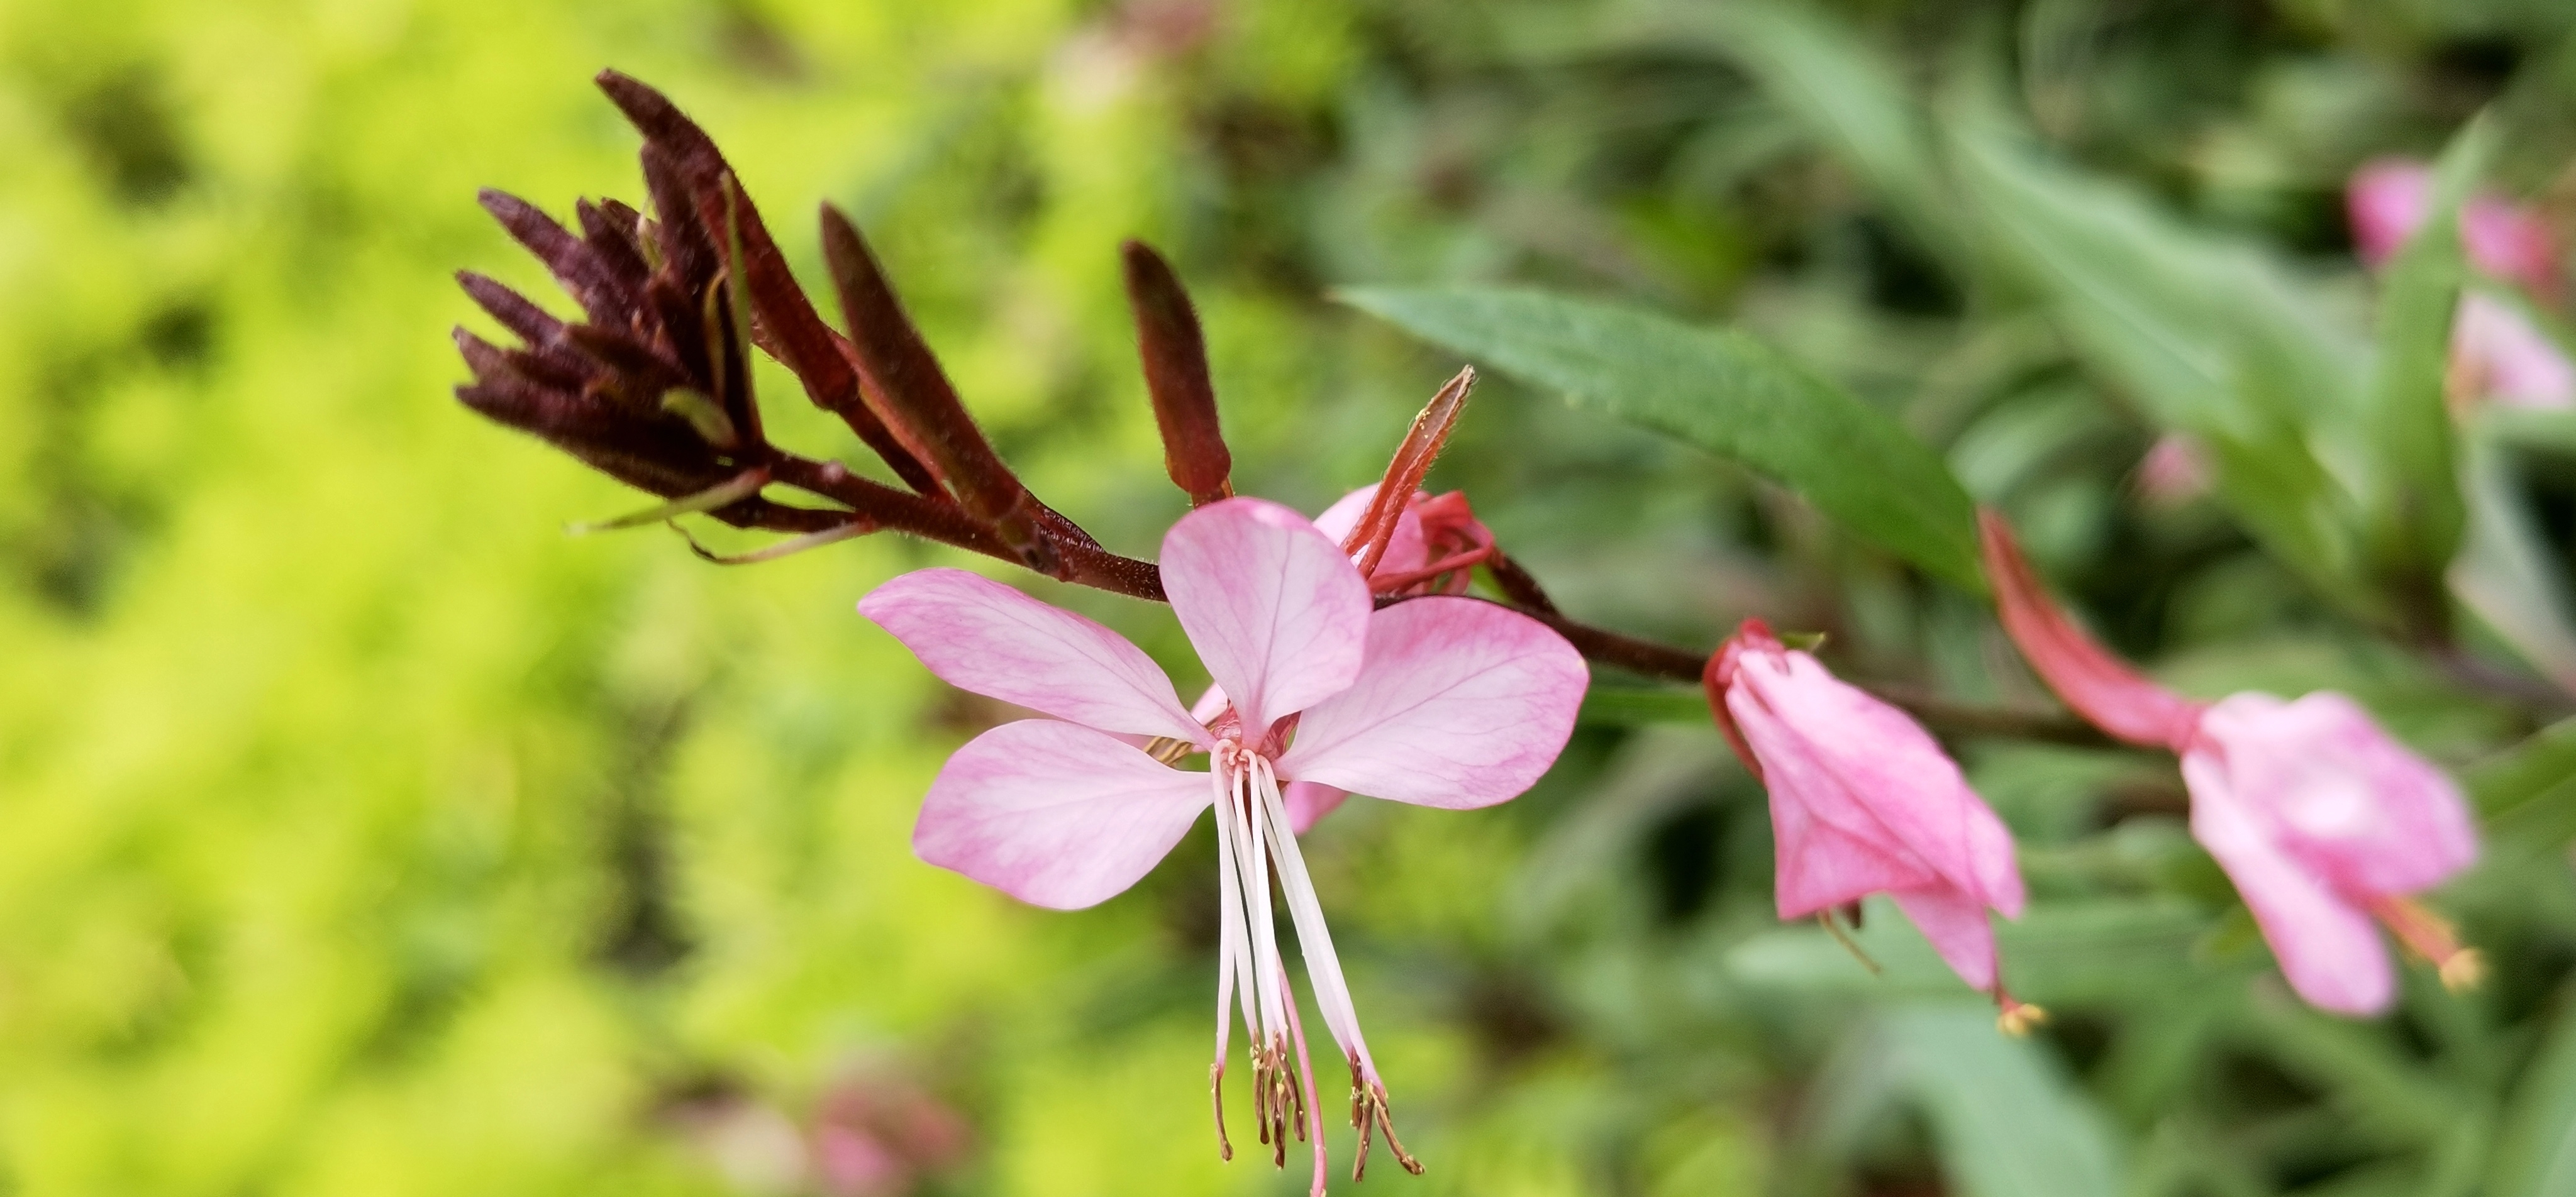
x,y
1863,801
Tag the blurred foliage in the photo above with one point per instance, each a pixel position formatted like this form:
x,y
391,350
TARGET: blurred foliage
x,y
366,835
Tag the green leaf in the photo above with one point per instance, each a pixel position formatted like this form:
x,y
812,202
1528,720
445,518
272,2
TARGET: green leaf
x,y
2506,573
2536,1156
2417,512
2007,1120
1717,389
2207,336
2527,793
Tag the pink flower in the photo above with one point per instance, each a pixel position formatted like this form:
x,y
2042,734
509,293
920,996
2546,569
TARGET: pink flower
x,y
2322,820
1438,701
1435,543
874,1136
2387,200
1863,802
2174,471
2497,354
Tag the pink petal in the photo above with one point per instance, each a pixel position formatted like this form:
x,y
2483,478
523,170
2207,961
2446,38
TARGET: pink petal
x,y
2327,947
2510,243
977,634
1275,610
2101,689
1817,865
2509,362
2386,201
1054,814
1872,773
1955,921
2331,790
1308,802
1462,703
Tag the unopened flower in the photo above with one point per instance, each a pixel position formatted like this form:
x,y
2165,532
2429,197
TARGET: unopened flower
x,y
1863,801
2322,820
1438,701
2497,354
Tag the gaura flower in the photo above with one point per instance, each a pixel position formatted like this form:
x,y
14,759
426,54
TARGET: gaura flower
x,y
2387,201
1436,542
2496,352
2174,471
1863,801
1437,701
2321,819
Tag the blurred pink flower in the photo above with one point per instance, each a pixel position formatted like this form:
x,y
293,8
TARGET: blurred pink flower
x,y
2496,352
875,1135
2174,471
2387,200
2320,818
1437,701
1863,801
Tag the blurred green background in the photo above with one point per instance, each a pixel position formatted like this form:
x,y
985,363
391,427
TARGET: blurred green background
x,y
361,833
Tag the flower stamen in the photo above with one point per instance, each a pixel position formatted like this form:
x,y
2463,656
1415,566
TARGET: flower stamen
x,y
2432,938
1370,1111
2015,1017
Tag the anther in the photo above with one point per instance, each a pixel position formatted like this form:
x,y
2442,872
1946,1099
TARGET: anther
x,y
2431,937
1216,1089
2015,1017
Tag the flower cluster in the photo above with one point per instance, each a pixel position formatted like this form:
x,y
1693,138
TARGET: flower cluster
x,y
1346,656
2497,354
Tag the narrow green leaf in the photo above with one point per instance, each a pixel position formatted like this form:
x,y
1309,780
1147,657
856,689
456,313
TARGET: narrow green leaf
x,y
2417,513
2505,572
2536,1155
2208,337
2539,771
2007,1120
1719,390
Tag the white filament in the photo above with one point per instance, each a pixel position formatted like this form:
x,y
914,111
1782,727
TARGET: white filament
x,y
1245,886
1232,956
1314,940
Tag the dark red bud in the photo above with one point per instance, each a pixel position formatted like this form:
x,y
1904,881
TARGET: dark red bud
x,y
920,401
1176,376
